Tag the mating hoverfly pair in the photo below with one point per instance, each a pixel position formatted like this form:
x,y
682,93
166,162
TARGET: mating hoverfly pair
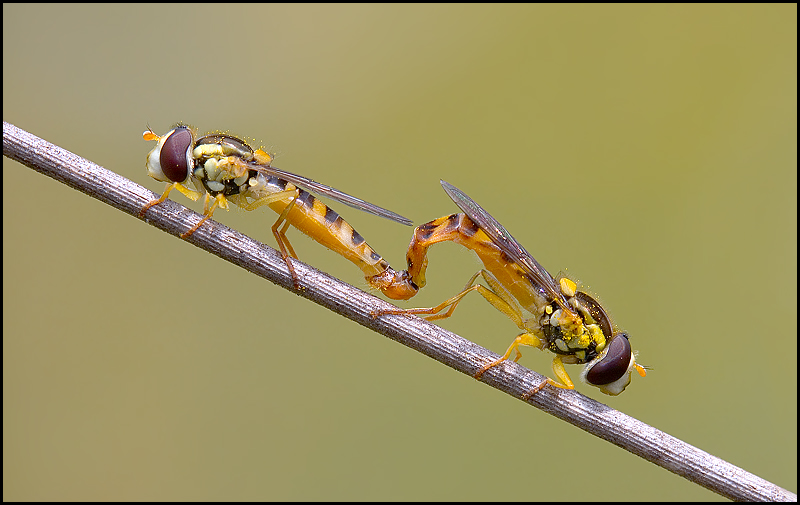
x,y
565,321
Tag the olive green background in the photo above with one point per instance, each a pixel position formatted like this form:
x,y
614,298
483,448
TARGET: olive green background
x,y
648,151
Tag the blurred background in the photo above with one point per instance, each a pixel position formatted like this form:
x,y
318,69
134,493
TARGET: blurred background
x,y
647,151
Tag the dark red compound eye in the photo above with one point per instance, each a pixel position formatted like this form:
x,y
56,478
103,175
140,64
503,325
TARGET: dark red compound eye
x,y
173,154
614,364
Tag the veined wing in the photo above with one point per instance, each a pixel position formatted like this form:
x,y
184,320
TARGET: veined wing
x,y
540,277
332,193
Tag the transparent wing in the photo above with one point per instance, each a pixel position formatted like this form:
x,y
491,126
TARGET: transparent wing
x,y
332,193
541,279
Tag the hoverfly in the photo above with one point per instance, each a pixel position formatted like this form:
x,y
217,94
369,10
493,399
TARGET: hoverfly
x,y
224,168
565,321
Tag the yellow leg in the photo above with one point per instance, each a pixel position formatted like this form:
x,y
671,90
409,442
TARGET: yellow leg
x,y
219,201
560,372
265,200
523,339
283,242
286,242
193,195
434,311
496,294
287,251
503,301
451,302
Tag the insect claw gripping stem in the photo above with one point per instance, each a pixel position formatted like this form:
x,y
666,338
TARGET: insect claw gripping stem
x,y
527,396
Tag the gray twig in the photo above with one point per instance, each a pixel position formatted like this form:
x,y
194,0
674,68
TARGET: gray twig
x,y
458,353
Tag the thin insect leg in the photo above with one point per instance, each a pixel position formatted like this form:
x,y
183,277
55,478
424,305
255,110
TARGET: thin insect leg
x,y
453,227
286,241
560,372
279,237
452,302
496,294
264,200
504,301
219,201
523,339
533,341
455,303
161,199
193,195
527,396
